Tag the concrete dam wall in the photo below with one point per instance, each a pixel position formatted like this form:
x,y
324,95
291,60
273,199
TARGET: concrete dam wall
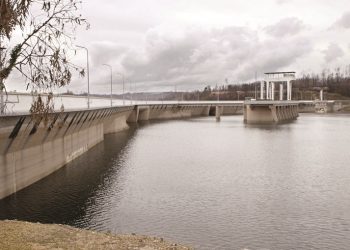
x,y
31,147
258,112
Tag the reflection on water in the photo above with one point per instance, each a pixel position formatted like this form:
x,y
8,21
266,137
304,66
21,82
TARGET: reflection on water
x,y
212,185
65,195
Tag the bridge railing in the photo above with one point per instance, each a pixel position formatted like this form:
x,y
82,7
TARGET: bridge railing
x,y
18,103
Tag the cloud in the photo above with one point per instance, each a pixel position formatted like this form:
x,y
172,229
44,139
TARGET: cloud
x,y
199,56
283,1
332,52
343,21
275,55
106,52
158,44
285,27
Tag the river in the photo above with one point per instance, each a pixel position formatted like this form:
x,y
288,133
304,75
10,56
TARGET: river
x,y
211,185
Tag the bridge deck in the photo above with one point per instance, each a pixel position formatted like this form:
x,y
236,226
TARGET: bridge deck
x,y
270,102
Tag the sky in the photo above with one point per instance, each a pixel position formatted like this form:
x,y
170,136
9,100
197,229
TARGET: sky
x,y
163,45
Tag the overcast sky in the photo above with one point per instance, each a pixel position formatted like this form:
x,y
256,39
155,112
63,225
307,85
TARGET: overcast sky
x,y
158,44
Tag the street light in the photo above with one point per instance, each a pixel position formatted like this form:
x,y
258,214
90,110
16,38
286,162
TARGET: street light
x,y
135,92
88,73
131,92
176,99
110,67
123,87
128,80
218,92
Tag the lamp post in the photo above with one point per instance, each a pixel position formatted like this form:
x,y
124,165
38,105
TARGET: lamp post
x,y
135,93
127,81
131,91
87,71
111,69
176,99
123,87
218,93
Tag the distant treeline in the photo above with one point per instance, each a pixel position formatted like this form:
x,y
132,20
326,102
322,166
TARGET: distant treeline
x,y
336,85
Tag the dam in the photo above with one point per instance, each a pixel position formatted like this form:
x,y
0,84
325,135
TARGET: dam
x,y
31,147
152,178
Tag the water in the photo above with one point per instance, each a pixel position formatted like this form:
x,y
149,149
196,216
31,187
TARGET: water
x,y
211,185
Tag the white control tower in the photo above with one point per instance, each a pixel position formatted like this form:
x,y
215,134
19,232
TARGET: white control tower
x,y
268,85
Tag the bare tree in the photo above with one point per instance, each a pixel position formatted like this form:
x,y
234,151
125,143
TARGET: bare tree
x,y
41,53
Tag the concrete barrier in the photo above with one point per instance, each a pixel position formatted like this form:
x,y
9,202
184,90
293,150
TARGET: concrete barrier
x,y
31,147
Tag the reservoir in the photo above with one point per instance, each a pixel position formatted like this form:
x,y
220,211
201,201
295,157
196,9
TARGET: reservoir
x,y
207,184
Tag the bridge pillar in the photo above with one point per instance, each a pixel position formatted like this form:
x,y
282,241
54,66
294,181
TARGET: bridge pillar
x,y
273,109
262,85
284,110
115,122
267,90
144,113
289,90
217,113
269,111
206,111
134,116
281,91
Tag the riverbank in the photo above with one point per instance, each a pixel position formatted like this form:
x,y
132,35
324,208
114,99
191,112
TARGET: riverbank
x,y
24,235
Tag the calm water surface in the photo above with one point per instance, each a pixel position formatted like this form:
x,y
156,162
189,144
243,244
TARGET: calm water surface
x,y
211,185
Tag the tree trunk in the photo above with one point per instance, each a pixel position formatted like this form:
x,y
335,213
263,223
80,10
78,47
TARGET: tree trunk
x,y
2,101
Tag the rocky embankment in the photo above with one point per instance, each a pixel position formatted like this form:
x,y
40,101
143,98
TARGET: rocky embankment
x,y
25,235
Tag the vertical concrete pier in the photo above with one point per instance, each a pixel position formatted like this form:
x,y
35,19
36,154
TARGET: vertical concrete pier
x,y
281,91
217,113
257,112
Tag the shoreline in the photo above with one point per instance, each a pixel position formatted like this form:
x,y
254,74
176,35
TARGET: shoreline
x,y
27,235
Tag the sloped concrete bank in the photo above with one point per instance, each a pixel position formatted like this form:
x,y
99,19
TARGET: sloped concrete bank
x,y
32,148
24,235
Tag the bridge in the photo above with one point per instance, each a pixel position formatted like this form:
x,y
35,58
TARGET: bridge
x,y
33,147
